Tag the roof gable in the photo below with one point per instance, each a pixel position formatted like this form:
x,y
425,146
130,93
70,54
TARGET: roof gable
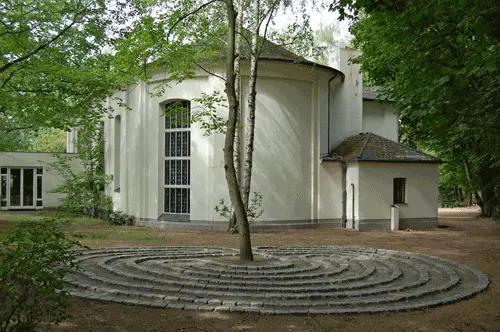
x,y
365,147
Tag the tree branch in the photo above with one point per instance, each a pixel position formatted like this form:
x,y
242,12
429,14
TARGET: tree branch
x,y
209,72
38,49
8,79
264,38
270,10
245,38
183,17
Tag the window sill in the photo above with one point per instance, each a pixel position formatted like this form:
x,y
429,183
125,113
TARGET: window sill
x,y
117,190
400,204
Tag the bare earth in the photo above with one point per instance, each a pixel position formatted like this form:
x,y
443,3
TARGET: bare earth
x,y
461,237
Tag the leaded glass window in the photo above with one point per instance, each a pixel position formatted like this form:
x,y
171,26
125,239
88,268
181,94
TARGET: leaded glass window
x,y
177,157
399,190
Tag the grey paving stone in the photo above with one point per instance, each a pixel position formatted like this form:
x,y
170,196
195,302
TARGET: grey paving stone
x,y
206,307
296,279
222,308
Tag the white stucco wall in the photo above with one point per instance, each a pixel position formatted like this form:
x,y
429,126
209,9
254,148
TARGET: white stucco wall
x,y
330,191
291,136
353,191
291,108
50,179
142,147
376,190
283,142
381,119
347,104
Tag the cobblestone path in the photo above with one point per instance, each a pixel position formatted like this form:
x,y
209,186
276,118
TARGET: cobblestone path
x,y
283,280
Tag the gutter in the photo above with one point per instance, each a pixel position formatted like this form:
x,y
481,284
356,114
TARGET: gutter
x,y
344,194
329,111
343,163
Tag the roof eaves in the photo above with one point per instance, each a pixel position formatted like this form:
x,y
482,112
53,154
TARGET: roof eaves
x,y
360,155
306,63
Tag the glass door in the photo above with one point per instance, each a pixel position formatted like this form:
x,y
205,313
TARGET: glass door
x,y
15,187
28,187
21,188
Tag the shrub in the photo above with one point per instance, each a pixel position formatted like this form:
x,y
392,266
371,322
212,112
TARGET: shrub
x,y
121,218
34,259
83,191
254,210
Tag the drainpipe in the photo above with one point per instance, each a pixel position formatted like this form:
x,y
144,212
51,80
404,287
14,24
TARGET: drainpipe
x,y
344,194
344,165
329,111
353,217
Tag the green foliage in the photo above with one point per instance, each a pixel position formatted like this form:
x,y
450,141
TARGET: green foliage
x,y
439,61
83,191
28,140
254,212
121,218
168,38
53,69
48,140
452,185
206,114
34,259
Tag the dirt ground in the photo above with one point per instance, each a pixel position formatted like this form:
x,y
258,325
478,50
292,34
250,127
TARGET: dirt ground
x,y
461,236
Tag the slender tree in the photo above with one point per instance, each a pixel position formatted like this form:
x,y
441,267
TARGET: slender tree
x,y
234,190
237,137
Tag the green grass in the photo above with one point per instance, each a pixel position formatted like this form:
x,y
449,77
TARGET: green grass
x,y
90,230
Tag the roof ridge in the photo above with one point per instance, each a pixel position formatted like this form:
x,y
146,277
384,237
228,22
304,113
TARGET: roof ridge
x,y
360,155
408,147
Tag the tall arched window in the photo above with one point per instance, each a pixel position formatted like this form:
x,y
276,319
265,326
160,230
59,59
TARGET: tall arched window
x,y
117,148
177,157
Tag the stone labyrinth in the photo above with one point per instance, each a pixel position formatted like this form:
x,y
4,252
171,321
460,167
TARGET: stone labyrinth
x,y
282,280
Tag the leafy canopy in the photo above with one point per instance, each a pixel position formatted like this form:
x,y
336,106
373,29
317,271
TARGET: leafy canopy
x,y
54,64
439,61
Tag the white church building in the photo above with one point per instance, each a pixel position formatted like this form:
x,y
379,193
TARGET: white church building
x,y
326,153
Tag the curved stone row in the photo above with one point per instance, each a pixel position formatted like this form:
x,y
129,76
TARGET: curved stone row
x,y
282,280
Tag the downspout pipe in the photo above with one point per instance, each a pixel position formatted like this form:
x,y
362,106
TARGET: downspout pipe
x,y
344,165
329,110
344,194
353,216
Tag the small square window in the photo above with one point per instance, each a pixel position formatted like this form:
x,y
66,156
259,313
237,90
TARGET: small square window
x,y
39,171
39,203
399,191
3,203
3,170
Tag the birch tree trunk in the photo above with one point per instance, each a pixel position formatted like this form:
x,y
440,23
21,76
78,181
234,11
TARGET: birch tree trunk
x,y
252,93
237,136
232,182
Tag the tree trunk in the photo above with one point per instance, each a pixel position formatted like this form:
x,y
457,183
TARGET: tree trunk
x,y
252,93
232,182
460,195
344,195
487,183
470,191
237,136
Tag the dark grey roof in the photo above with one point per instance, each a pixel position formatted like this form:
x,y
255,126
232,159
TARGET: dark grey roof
x,y
372,94
370,147
369,94
274,52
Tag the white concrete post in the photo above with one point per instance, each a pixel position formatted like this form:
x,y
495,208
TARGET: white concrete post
x,y
394,218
